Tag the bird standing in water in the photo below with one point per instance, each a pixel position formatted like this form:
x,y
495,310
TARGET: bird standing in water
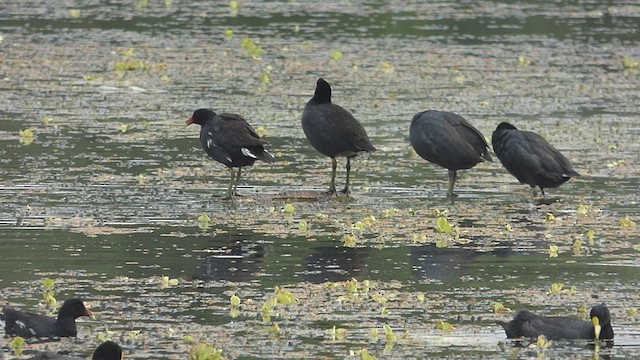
x,y
530,158
448,140
231,141
333,131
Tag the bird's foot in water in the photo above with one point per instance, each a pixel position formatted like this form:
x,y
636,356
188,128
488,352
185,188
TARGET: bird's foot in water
x,y
345,191
331,191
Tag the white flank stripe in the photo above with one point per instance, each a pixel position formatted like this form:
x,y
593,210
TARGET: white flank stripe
x,y
248,153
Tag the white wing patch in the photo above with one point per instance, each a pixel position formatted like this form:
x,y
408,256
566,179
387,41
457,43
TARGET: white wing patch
x,y
209,143
247,152
21,324
33,332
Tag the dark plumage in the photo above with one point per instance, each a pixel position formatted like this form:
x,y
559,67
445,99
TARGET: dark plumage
x,y
108,350
28,325
448,140
530,158
333,131
529,325
231,141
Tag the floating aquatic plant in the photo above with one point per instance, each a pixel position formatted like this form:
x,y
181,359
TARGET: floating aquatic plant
x,y
386,68
303,226
274,330
284,297
74,13
629,64
17,345
166,282
559,289
498,308
234,300
123,128
444,326
288,209
625,222
204,352
553,251
25,137
443,226
260,131
228,33
349,240
363,354
338,333
103,336
524,62
204,221
48,297
549,217
336,55
388,334
374,335
251,48
542,342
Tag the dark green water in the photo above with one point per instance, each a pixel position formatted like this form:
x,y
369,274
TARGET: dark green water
x,y
107,211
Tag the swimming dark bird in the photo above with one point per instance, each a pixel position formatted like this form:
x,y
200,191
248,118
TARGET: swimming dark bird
x,y
333,131
231,141
28,325
108,350
448,140
529,325
530,158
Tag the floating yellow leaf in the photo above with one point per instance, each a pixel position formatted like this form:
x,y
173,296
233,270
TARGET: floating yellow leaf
x,y
373,335
388,334
336,55
553,251
549,217
228,33
234,300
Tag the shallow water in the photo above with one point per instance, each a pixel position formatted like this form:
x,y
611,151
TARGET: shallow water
x,y
106,199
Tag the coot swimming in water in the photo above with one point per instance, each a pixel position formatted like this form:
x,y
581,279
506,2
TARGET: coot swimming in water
x,y
28,325
530,325
333,131
231,141
448,140
530,158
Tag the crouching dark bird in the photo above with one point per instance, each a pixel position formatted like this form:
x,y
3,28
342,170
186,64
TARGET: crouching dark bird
x,y
448,140
231,141
333,131
530,158
529,325
28,325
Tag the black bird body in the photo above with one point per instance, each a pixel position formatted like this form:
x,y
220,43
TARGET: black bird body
x,y
333,131
28,325
448,140
530,158
230,140
529,325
